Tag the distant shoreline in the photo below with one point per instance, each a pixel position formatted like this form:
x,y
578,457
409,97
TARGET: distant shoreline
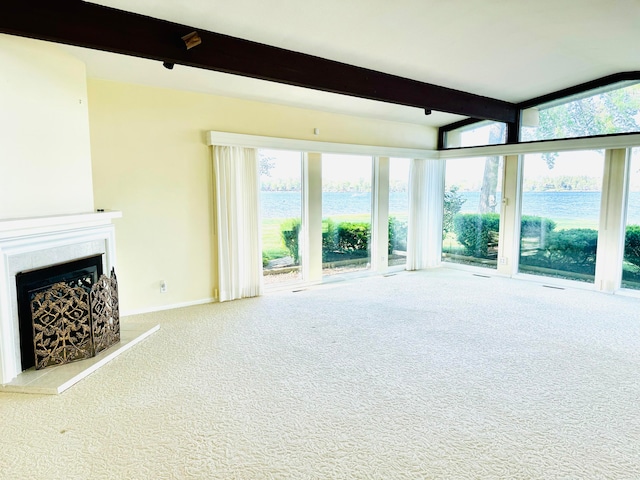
x,y
575,205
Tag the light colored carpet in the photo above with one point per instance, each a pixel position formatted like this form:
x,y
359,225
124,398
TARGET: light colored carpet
x,y
436,374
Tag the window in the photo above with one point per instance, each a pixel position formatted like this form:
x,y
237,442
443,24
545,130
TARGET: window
x,y
609,110
477,134
631,263
398,210
560,214
471,217
281,212
346,213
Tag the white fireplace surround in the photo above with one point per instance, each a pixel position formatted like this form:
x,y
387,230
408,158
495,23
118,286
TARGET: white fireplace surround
x,y
31,243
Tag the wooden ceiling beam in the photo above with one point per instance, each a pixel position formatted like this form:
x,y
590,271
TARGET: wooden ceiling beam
x,y
83,24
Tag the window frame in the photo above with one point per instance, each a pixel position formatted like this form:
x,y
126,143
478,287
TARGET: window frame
x,y
560,96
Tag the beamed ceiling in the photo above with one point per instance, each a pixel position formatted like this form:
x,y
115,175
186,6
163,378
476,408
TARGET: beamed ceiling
x,y
387,60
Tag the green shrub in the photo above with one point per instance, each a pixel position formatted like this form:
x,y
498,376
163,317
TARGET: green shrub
x,y
337,238
453,202
539,227
290,231
353,236
346,238
572,250
329,236
632,245
574,246
397,235
476,232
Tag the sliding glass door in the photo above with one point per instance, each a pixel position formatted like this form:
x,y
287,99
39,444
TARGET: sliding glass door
x,y
346,213
561,197
471,218
281,212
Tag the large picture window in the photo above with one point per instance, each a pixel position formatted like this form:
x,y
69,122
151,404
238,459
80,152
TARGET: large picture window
x,y
610,110
281,213
560,214
477,134
471,217
346,213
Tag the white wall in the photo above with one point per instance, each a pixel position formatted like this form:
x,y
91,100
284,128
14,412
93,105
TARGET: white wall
x,y
151,161
45,153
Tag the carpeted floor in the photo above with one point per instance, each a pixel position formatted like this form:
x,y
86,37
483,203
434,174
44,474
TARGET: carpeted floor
x,y
435,374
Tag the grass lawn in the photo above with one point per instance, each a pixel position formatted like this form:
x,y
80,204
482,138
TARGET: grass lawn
x,y
271,236
566,224
356,217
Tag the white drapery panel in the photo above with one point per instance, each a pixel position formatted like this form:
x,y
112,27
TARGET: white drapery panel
x,y
426,201
237,211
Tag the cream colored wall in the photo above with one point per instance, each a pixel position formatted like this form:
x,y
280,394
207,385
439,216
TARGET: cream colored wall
x,y
150,160
45,164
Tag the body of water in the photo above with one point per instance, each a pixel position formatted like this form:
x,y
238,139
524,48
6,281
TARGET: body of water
x,y
289,204
554,205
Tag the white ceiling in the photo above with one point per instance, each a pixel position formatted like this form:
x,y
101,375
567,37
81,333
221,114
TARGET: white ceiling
x,y
507,49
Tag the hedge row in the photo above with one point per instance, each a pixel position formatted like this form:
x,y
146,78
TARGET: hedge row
x,y
572,249
397,235
632,245
476,232
343,238
290,231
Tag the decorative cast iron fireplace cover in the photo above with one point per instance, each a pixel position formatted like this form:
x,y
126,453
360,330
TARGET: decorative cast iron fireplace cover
x,y
105,312
70,324
61,325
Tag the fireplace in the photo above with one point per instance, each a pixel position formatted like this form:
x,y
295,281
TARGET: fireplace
x,y
67,312
31,244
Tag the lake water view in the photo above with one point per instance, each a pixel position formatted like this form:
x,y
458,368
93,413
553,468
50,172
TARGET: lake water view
x,y
554,205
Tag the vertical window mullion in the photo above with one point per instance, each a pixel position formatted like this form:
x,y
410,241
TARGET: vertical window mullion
x,y
380,214
312,214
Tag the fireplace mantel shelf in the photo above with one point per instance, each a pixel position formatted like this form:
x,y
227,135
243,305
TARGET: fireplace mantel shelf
x,y
23,226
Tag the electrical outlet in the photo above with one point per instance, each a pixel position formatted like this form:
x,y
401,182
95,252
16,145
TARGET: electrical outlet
x,y
163,286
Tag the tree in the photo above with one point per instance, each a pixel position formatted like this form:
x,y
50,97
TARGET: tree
x,y
453,202
616,111
488,201
266,163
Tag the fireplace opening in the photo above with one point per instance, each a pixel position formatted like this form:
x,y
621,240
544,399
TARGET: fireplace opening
x,y
61,290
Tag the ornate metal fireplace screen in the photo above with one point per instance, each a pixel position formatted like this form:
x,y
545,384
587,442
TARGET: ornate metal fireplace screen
x,y
71,323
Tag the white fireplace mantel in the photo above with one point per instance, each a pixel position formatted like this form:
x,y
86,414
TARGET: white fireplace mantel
x,y
14,227
30,243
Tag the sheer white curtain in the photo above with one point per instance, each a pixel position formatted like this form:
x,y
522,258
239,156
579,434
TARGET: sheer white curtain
x,y
426,201
237,212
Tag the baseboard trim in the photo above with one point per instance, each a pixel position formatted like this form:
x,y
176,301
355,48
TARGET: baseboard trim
x,y
173,306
